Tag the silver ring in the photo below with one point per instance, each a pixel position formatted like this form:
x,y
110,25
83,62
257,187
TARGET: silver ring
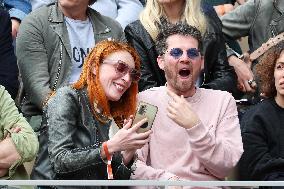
x,y
250,81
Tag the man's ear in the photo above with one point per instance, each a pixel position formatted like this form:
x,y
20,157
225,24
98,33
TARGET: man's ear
x,y
161,62
202,62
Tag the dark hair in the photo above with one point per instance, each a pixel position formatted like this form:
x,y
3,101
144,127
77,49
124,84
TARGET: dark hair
x,y
167,29
265,70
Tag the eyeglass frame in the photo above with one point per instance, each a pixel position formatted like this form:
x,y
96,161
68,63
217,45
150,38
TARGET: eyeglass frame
x,y
131,71
187,52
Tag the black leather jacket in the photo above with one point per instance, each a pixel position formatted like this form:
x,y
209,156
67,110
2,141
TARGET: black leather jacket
x,y
74,140
217,72
8,61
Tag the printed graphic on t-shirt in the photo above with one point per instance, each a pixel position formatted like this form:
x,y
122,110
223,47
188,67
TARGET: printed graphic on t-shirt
x,y
81,36
79,55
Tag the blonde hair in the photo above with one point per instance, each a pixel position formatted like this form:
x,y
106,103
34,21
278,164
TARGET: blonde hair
x,y
153,11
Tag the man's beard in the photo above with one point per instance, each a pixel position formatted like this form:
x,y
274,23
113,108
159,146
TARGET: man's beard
x,y
176,83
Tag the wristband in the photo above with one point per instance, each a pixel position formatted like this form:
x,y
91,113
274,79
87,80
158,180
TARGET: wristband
x,y
109,158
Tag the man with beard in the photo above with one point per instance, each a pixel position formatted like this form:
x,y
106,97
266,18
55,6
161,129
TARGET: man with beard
x,y
196,133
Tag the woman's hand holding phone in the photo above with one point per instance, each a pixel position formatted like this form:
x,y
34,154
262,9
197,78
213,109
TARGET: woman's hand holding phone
x,y
127,139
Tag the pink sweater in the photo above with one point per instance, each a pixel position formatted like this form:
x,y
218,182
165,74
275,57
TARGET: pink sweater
x,y
207,151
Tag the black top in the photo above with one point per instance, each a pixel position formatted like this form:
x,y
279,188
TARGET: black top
x,y
263,138
8,62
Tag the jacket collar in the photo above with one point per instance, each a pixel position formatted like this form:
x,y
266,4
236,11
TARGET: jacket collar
x,y
55,15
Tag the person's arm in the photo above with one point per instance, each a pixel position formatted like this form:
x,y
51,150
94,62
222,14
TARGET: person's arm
x,y
238,22
9,69
218,149
148,77
146,172
16,147
128,11
257,158
32,60
17,10
62,113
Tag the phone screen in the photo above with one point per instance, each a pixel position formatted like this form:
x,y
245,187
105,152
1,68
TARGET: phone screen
x,y
145,110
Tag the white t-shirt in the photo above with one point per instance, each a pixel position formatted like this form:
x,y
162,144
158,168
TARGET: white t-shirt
x,y
81,36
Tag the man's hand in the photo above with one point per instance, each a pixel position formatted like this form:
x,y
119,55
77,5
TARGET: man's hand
x,y
179,110
244,73
15,27
9,154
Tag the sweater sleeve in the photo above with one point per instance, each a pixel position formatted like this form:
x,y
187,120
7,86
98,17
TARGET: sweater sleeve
x,y
145,172
238,22
25,140
33,60
18,9
221,149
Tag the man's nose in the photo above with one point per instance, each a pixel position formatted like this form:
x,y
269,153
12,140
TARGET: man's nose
x,y
184,57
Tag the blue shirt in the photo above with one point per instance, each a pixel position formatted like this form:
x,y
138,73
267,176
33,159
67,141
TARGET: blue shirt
x,y
17,8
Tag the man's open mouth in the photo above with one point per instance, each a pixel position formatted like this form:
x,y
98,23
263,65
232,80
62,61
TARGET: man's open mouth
x,y
184,72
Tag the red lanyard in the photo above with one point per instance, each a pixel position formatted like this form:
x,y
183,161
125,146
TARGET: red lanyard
x,y
109,157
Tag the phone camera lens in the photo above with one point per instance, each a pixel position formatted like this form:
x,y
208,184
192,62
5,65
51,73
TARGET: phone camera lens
x,y
142,110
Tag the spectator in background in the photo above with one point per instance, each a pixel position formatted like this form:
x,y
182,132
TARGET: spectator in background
x,y
18,142
17,9
142,35
123,11
8,62
259,20
51,47
196,133
262,125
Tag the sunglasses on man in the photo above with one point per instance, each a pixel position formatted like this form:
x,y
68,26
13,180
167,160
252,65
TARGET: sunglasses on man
x,y
177,53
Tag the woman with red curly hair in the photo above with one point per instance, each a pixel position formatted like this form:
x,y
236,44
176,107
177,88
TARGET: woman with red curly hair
x,y
262,125
89,123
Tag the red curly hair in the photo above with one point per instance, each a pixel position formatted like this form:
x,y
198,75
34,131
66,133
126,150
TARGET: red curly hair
x,y
121,109
265,70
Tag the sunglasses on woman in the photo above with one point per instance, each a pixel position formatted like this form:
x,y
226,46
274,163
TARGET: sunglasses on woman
x,y
122,68
192,53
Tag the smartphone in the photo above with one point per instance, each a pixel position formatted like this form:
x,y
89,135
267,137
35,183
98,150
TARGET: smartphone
x,y
145,110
